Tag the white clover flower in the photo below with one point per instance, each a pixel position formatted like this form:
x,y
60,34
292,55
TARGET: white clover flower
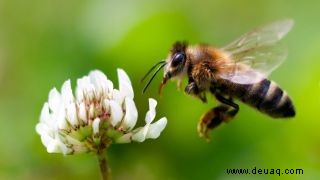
x,y
97,116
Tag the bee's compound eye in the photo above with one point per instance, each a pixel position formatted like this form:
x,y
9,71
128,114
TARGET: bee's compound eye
x,y
178,58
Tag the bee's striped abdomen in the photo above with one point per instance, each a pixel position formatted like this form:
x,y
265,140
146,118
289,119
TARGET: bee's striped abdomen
x,y
269,98
277,103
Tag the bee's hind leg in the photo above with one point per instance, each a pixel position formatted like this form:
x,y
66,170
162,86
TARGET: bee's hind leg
x,y
215,116
233,107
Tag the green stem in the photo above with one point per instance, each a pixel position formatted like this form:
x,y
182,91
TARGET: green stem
x,y
104,168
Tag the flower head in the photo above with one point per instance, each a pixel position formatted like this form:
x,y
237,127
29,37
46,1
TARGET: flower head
x,y
97,116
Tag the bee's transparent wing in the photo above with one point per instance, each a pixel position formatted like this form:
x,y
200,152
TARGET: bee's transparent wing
x,y
256,54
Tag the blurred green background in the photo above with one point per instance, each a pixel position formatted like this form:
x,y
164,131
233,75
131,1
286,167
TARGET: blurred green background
x,y
43,43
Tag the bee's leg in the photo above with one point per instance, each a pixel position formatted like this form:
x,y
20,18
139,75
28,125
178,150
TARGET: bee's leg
x,y
233,107
179,84
210,120
192,89
202,97
215,116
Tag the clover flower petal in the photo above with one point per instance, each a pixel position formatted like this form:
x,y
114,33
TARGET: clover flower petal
x,y
150,131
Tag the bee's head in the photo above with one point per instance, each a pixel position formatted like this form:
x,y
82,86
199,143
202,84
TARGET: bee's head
x,y
176,61
173,66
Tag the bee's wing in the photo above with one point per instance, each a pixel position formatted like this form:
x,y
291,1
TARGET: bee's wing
x,y
256,54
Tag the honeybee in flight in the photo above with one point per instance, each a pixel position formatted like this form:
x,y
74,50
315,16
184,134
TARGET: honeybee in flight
x,y
238,70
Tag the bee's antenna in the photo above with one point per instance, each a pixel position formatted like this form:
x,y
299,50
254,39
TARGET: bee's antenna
x,y
151,69
147,85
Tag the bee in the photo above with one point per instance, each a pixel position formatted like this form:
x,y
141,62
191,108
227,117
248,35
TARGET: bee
x,y
239,71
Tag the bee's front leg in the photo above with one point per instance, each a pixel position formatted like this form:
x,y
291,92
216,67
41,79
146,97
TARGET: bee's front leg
x,y
192,89
215,116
